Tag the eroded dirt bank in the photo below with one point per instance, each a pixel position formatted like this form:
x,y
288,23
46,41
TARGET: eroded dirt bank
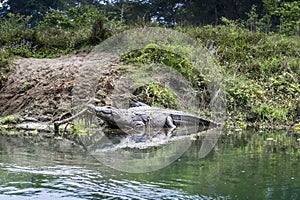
x,y
42,88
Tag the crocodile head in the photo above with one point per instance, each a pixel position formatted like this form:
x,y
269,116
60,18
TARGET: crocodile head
x,y
107,113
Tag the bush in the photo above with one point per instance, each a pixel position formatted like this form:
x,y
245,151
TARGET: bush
x,y
156,94
154,53
60,32
99,31
261,72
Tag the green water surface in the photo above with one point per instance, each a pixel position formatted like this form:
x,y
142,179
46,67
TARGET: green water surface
x,y
247,165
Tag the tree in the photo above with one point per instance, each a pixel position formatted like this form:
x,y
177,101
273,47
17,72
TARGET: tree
x,y
129,11
167,11
37,8
289,14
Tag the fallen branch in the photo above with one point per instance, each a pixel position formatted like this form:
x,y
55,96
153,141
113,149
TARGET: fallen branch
x,y
58,123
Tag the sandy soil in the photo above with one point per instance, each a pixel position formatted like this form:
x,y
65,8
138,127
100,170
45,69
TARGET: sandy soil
x,y
44,88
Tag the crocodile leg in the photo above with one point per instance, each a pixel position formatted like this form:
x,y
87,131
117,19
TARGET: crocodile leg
x,y
170,125
138,127
169,122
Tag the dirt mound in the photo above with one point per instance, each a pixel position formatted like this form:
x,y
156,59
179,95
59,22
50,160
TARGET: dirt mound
x,y
42,88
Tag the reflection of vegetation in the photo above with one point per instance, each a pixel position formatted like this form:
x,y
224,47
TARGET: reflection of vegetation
x,y
237,164
79,128
5,122
280,141
5,131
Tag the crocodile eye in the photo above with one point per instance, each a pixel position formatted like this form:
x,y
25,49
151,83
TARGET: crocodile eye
x,y
106,110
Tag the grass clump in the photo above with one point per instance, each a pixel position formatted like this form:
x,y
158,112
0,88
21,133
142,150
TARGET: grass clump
x,y
155,94
152,53
8,120
179,60
26,86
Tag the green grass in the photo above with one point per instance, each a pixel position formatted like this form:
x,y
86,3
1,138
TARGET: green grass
x,y
8,120
154,53
261,74
155,94
26,85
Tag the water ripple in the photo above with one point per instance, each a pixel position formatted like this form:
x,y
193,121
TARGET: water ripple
x,y
71,182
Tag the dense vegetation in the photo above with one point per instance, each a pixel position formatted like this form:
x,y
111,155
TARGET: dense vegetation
x,y
256,43
279,15
261,74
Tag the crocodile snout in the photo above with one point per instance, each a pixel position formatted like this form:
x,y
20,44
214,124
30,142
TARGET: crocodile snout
x,y
91,108
104,109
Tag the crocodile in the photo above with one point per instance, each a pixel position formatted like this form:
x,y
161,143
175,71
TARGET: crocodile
x,y
142,117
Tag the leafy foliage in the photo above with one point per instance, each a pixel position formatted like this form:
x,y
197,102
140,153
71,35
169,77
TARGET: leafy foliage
x,y
153,53
261,73
8,120
289,13
156,94
164,55
60,32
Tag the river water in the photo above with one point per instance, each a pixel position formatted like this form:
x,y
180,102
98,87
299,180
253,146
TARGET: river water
x,y
248,165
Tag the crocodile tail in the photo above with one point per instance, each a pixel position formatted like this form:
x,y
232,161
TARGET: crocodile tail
x,y
189,121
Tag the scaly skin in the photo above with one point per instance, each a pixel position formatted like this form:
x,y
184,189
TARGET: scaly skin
x,y
146,117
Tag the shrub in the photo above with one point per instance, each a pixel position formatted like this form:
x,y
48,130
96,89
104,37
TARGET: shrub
x,y
156,94
261,72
